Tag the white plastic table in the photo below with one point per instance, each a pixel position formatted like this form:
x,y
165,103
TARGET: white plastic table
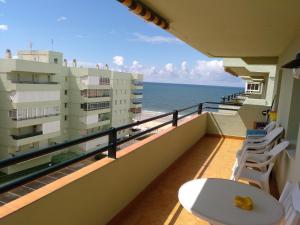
x,y
212,199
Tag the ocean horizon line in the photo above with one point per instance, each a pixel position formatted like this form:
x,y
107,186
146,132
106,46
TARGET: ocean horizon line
x,y
206,85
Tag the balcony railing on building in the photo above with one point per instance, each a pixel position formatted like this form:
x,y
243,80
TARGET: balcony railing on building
x,y
94,93
92,134
137,83
33,113
136,110
95,106
22,136
103,117
136,102
95,80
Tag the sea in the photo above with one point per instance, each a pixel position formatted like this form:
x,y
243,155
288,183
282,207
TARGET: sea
x,y
163,97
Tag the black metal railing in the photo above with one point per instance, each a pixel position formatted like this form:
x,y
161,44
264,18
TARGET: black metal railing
x,y
22,136
34,82
110,148
231,97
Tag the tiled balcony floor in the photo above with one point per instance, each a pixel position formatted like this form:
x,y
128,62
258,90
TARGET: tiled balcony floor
x,y
158,203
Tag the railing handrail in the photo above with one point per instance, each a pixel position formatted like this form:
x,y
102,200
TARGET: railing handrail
x,y
111,147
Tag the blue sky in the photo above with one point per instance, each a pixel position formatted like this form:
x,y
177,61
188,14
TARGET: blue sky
x,y
105,32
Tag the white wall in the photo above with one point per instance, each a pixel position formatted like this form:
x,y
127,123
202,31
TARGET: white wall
x,y
89,145
90,119
51,127
34,96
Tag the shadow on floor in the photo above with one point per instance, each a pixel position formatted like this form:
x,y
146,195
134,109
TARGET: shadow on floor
x,y
158,203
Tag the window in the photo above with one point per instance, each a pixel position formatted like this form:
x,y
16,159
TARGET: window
x,y
253,87
66,105
95,106
104,81
66,92
55,60
66,117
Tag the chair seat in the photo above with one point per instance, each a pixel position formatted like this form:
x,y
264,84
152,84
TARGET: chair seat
x,y
252,175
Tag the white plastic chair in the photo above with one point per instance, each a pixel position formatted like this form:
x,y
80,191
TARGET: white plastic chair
x,y
290,199
258,172
259,145
270,126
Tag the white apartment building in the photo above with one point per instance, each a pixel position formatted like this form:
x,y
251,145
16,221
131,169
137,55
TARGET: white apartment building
x,y
44,102
126,94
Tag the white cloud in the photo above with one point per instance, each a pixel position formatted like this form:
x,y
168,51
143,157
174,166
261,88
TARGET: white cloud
x,y
169,67
205,72
3,27
118,60
3,1
184,67
154,39
62,18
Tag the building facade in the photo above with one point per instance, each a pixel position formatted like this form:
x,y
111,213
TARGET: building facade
x,y
45,102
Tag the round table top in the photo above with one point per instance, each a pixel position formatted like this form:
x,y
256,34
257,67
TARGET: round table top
x,y
213,200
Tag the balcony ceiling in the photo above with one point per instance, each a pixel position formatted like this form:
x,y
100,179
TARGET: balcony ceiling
x,y
232,28
242,71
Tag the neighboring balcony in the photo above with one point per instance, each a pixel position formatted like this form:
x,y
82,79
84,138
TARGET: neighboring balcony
x,y
95,82
136,105
22,136
35,133
90,95
34,96
137,85
31,85
94,120
95,106
30,115
136,110
136,95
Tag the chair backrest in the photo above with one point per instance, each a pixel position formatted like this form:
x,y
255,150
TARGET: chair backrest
x,y
290,199
277,149
273,135
271,126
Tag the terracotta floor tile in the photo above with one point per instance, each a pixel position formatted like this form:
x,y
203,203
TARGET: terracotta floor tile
x,y
158,204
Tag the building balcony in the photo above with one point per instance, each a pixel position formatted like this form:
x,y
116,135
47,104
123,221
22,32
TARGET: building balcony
x,y
136,110
19,140
136,95
137,85
31,85
34,96
136,105
149,173
22,136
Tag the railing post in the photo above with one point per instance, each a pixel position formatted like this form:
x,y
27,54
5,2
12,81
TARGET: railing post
x,y
223,99
175,118
113,142
200,107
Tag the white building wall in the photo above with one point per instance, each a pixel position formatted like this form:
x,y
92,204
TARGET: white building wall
x,y
89,145
51,127
34,96
90,119
121,99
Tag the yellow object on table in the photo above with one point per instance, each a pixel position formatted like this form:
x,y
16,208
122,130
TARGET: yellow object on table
x,y
243,202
